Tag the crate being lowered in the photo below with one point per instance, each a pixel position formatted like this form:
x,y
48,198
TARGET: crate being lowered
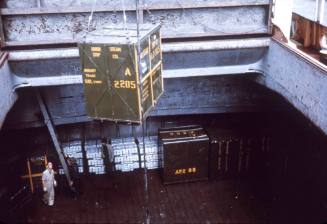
x,y
114,88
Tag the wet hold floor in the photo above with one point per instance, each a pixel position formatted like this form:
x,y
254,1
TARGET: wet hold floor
x,y
121,199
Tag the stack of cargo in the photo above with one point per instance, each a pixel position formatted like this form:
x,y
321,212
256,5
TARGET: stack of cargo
x,y
73,150
94,156
126,157
153,156
125,154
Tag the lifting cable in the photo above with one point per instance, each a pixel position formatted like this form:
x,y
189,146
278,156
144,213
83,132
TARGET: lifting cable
x,y
91,16
125,18
146,189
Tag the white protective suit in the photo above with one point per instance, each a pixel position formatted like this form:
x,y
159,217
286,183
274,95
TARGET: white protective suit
x,y
49,183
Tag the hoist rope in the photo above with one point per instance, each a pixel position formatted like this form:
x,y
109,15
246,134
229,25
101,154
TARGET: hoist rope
x,y
125,18
91,16
146,188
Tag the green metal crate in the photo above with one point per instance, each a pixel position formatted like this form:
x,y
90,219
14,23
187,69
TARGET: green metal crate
x,y
111,76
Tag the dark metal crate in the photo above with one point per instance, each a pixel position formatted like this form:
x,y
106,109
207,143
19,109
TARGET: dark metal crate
x,y
185,152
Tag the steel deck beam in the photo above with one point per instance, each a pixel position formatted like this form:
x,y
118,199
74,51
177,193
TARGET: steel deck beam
x,y
56,22
148,6
49,123
47,54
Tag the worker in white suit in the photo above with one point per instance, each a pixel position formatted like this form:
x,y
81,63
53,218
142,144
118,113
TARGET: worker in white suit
x,y
48,182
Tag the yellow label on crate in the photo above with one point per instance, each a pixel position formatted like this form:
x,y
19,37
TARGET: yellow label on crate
x,y
115,49
97,81
155,42
90,70
87,75
155,52
144,52
124,84
185,171
128,72
88,81
92,82
98,49
96,54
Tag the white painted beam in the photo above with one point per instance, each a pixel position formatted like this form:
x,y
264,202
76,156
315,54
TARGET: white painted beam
x,y
48,54
283,10
320,8
23,82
